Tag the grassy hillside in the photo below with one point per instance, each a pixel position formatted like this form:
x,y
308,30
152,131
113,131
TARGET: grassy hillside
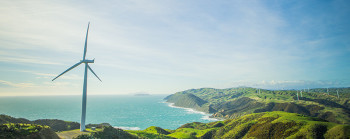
x,y
108,132
275,124
152,133
236,102
56,125
8,119
259,125
190,101
30,131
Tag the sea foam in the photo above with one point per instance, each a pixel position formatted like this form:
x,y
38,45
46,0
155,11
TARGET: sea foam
x,y
193,111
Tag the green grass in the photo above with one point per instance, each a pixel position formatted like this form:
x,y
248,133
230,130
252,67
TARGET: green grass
x,y
76,132
145,134
30,128
184,133
280,125
275,124
20,130
188,133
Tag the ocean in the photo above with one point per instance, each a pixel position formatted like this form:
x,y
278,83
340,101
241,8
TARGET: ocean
x,y
123,111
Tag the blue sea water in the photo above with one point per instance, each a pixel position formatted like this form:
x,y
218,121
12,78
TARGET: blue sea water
x,y
123,111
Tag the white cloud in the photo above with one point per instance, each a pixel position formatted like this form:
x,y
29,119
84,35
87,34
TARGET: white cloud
x,y
17,85
199,43
51,76
290,84
21,60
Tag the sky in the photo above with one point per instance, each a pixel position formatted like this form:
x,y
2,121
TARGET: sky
x,y
166,46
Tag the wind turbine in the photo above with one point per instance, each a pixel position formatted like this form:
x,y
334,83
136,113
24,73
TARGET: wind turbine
x,y
85,61
338,94
297,95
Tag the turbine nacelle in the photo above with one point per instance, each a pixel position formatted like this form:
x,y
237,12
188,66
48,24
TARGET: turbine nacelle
x,y
87,61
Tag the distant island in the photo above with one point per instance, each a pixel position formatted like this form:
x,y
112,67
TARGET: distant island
x,y
142,94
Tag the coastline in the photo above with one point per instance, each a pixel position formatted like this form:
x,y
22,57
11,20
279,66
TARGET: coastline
x,y
206,116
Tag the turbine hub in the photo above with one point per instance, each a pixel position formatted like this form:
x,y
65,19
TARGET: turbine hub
x,y
88,61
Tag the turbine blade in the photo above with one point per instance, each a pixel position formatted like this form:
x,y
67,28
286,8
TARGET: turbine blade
x,y
94,73
68,69
85,47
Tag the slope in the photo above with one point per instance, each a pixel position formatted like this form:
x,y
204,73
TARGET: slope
x,y
258,125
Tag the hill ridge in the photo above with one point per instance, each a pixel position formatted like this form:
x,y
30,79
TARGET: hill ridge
x,y
235,102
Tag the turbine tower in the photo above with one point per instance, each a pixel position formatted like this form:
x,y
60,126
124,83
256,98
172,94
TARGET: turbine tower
x,y
85,61
297,95
338,94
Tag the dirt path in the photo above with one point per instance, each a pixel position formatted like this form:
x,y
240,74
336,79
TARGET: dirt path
x,y
70,134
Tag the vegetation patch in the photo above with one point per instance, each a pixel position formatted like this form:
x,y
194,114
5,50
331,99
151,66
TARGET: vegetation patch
x,y
20,130
108,132
54,124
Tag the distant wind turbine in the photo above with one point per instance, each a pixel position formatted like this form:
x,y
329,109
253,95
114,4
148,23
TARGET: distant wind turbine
x,y
297,95
338,94
85,61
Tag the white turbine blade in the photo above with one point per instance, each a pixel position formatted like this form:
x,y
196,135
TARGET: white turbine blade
x,y
85,47
94,73
68,69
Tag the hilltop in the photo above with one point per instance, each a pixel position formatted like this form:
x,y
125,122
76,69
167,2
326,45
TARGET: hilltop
x,y
11,127
29,131
235,102
55,124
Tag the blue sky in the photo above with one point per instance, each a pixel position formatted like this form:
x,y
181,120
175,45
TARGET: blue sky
x,y
162,47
